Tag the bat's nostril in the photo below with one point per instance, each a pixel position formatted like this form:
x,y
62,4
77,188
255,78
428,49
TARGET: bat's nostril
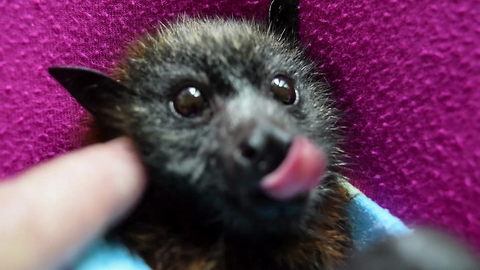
x,y
264,148
248,151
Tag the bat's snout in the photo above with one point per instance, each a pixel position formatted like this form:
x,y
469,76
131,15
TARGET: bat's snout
x,y
273,171
263,149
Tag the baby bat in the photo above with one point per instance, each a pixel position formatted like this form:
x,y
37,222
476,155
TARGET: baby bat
x,y
239,137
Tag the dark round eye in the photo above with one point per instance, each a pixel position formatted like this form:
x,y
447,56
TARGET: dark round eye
x,y
189,102
283,89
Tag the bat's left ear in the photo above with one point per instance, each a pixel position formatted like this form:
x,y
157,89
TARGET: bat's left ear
x,y
95,91
283,17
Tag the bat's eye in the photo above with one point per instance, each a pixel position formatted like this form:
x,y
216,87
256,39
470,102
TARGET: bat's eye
x,y
283,89
189,102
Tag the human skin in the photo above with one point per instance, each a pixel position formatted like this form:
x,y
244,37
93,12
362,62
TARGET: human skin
x,y
51,212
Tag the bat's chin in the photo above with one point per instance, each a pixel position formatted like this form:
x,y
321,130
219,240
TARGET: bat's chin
x,y
260,207
258,215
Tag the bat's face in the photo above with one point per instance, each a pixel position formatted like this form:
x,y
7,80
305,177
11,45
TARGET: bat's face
x,y
229,117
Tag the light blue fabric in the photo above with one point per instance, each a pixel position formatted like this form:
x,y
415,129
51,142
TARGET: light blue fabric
x,y
103,255
370,223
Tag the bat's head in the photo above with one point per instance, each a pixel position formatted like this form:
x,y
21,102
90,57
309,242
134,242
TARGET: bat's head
x,y
230,119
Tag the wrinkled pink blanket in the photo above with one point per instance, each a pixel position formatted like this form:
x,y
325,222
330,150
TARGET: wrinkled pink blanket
x,y
406,72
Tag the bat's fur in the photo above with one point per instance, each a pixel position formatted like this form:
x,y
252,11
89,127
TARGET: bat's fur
x,y
187,219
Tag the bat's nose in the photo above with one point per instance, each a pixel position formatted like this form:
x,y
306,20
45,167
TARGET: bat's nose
x,y
264,148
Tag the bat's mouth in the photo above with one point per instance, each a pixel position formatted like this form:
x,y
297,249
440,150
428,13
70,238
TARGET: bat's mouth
x,y
299,173
283,193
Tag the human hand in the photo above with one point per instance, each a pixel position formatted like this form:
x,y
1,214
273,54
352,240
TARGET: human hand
x,y
51,212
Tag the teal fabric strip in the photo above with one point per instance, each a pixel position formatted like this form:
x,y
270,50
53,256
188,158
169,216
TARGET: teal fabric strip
x,y
370,222
104,255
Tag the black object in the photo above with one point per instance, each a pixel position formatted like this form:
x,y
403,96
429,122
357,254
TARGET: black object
x,y
92,89
283,17
425,249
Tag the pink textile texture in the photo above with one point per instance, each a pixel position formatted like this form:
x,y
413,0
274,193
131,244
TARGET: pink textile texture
x,y
406,72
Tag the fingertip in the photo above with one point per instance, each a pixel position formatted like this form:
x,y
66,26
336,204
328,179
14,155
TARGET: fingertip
x,y
131,179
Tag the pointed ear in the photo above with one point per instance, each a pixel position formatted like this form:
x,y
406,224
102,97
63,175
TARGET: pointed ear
x,y
283,17
94,90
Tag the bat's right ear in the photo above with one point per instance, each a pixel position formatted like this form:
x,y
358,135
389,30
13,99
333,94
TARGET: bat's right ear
x,y
283,18
94,90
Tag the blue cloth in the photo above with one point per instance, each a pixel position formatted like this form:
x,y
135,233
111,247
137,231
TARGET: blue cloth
x,y
103,255
370,224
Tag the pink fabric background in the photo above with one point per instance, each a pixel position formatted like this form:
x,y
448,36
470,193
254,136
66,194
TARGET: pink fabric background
x,y
407,73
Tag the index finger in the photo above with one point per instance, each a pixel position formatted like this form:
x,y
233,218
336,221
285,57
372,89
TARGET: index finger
x,y
50,212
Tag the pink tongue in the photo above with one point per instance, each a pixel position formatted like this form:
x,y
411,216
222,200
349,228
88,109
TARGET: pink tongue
x,y
301,171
